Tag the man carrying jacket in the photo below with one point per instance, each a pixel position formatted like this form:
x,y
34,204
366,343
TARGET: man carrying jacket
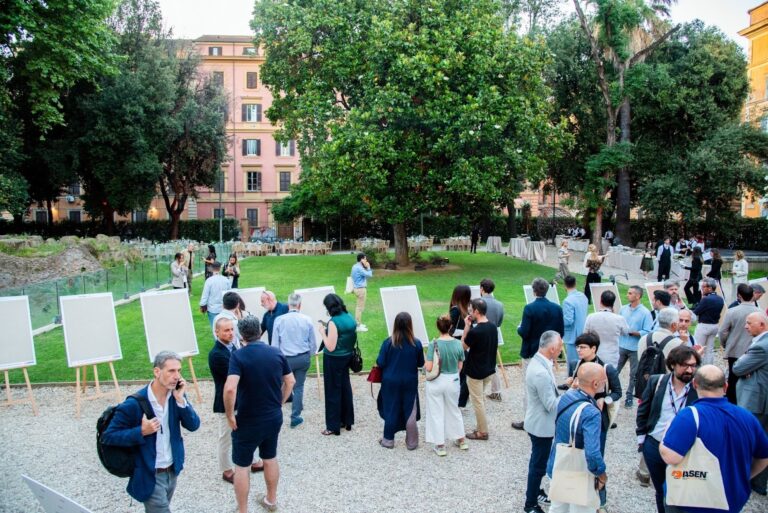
x,y
160,454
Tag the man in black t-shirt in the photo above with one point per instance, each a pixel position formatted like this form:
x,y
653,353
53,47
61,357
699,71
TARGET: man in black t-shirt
x,y
261,380
481,339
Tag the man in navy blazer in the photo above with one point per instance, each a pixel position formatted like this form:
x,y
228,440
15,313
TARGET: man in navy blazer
x,y
539,316
160,448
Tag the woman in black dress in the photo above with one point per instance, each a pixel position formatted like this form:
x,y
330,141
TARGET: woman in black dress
x,y
459,308
692,293
717,264
209,260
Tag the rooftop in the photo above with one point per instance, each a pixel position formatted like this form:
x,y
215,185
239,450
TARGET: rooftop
x,y
218,38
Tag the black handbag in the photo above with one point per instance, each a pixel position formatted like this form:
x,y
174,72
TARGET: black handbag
x,y
356,362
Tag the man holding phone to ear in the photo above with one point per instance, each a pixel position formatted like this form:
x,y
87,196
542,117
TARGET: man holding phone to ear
x,y
160,448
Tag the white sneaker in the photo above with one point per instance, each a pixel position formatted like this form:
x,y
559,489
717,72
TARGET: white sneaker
x,y
361,328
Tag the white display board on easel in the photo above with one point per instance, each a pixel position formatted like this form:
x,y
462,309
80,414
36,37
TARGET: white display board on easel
x,y
475,291
652,287
404,299
90,329
252,299
312,306
552,294
168,323
599,288
51,500
763,301
17,347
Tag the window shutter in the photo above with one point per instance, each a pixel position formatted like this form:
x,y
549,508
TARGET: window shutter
x,y
245,113
292,146
277,148
258,147
251,80
258,112
245,147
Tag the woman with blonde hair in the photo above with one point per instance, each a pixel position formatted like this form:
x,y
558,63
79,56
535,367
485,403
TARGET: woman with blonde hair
x,y
444,418
592,261
740,270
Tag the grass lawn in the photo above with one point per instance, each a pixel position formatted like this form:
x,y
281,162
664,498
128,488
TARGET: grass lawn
x,y
284,274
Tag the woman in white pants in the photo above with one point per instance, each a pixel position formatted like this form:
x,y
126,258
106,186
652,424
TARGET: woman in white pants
x,y
443,416
740,271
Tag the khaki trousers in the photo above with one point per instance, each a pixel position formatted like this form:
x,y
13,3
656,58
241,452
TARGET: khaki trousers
x,y
224,445
477,394
360,293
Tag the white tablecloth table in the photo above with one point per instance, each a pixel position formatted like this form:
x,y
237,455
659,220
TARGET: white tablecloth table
x,y
493,245
518,247
537,251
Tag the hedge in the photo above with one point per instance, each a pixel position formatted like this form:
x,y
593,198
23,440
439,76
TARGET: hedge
x,y
156,230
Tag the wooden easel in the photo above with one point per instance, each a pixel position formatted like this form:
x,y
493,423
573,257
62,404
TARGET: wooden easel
x,y
317,370
10,401
80,395
194,380
503,370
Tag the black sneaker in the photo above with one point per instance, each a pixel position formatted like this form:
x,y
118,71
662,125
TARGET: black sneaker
x,y
543,497
534,509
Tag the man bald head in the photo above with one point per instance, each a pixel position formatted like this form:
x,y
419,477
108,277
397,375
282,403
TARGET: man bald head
x,y
591,378
757,323
710,381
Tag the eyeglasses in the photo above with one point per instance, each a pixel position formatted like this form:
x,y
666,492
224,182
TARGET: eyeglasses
x,y
687,365
583,347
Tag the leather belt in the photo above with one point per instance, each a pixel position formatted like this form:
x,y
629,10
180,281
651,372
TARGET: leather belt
x,y
166,469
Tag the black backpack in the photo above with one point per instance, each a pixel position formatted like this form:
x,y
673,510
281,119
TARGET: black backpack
x,y
651,362
118,460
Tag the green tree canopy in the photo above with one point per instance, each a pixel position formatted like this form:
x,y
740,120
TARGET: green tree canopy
x,y
407,106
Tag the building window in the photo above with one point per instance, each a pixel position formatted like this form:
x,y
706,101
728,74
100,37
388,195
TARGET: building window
x,y
253,181
251,80
218,213
253,217
218,184
251,112
41,216
249,50
285,181
139,216
214,50
218,78
74,189
75,216
251,147
285,149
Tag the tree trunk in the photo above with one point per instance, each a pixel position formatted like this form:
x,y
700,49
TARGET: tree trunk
x,y
623,192
109,219
49,208
175,218
401,244
511,219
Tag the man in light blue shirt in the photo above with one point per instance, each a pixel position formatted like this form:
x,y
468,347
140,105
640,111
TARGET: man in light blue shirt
x,y
294,335
575,309
361,271
216,285
640,323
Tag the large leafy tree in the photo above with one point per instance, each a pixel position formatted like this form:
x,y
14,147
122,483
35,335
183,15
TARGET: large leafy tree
x,y
407,106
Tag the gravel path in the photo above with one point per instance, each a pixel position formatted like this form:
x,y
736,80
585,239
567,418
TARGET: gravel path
x,y
347,473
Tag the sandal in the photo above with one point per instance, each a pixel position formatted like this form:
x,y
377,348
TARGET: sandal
x,y
461,444
477,435
328,432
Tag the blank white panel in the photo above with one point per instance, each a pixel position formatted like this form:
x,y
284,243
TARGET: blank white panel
x,y
17,347
404,299
312,305
90,329
168,322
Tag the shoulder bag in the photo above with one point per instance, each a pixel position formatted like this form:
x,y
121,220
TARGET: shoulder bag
x,y
436,363
696,482
572,482
356,361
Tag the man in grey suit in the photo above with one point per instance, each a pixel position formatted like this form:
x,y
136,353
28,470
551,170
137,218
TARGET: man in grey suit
x,y
495,315
752,388
734,337
540,414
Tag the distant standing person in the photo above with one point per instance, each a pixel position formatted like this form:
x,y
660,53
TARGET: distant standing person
x,y
261,380
575,307
640,322
444,418
158,442
189,260
563,256
361,271
715,271
646,264
664,258
400,358
592,262
692,293
740,270
474,237
609,327
209,260
708,312
178,273
232,270
212,298
339,338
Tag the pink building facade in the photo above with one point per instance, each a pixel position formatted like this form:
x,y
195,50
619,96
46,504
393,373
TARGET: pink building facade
x,y
260,170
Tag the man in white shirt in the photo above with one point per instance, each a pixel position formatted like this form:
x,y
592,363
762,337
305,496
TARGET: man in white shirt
x,y
609,327
212,299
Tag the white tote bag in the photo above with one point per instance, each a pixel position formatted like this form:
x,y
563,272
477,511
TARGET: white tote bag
x,y
572,482
696,482
349,286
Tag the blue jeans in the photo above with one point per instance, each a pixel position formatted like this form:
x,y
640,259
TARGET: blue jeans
x,y
211,316
656,468
537,467
299,365
603,493
571,357
160,500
